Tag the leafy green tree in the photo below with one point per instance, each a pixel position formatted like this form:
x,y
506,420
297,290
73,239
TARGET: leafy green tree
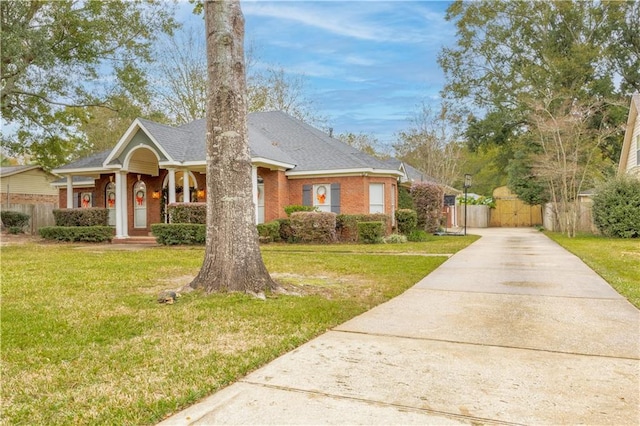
x,y
66,53
536,77
522,180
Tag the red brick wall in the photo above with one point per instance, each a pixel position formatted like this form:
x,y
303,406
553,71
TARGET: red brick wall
x,y
279,192
354,191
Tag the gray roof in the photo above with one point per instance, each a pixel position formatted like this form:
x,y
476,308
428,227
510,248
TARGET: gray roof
x,y
11,170
93,161
274,136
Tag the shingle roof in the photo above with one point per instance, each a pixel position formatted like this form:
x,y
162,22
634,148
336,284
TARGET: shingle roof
x,y
11,170
93,161
273,135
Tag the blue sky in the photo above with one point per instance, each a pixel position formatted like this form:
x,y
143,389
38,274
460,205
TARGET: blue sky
x,y
367,64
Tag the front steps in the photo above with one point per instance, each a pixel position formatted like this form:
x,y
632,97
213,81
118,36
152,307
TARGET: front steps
x,y
135,240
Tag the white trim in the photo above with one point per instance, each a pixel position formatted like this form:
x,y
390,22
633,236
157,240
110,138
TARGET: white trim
x,y
126,138
342,172
267,163
85,172
127,159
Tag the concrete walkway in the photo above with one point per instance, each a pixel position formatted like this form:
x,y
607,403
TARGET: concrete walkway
x,y
511,330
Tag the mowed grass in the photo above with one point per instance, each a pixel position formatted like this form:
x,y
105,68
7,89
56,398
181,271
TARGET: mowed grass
x,y
84,340
614,259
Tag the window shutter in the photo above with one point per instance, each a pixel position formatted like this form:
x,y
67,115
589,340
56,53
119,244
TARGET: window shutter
x,y
78,200
306,195
335,198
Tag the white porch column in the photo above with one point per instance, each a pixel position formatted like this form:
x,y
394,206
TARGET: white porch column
x,y
69,191
254,189
172,185
121,205
186,194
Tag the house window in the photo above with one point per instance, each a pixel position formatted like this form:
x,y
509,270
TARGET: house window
x,y
322,197
376,198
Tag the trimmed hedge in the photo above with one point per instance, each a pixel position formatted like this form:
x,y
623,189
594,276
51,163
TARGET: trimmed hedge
x,y
93,216
12,219
370,232
88,234
314,227
188,213
406,220
171,234
269,231
347,224
298,208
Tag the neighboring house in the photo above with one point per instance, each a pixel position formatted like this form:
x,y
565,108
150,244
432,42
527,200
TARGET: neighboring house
x,y
630,158
27,185
292,163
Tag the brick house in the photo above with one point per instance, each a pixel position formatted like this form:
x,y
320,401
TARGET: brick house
x,y
292,163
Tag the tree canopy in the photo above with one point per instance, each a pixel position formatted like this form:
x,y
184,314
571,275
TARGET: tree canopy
x,y
548,81
70,53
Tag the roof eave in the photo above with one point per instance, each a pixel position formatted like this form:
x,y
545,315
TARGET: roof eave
x,y
293,174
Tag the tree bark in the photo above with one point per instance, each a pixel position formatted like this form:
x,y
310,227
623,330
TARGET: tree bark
x,y
232,261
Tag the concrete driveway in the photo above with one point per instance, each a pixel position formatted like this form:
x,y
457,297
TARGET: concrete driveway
x,y
511,330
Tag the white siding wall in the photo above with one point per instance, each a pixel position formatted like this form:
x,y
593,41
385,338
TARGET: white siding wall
x,y
29,182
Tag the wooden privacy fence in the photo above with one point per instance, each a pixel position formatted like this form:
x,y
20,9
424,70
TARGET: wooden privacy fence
x,y
40,214
512,212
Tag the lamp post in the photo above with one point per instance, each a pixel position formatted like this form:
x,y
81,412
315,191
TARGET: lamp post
x,y
467,184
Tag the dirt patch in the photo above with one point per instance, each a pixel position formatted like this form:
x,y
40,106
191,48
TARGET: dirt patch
x,y
7,239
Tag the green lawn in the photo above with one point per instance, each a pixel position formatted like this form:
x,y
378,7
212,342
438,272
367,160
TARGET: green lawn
x,y
84,340
616,260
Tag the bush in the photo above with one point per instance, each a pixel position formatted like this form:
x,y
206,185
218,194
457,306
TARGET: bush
x,y
418,236
616,208
88,234
370,232
298,208
14,220
188,213
171,234
347,224
429,201
395,239
406,221
15,230
286,232
269,231
314,227
93,216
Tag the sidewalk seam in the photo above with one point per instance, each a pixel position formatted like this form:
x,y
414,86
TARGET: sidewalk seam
x,y
486,345
386,404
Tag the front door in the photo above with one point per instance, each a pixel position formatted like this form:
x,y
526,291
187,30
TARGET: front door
x,y
139,205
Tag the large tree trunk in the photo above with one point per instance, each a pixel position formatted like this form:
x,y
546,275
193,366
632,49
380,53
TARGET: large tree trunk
x,y
232,261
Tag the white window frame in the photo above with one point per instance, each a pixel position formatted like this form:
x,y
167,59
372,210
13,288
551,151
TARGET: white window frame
x,y
376,199
322,204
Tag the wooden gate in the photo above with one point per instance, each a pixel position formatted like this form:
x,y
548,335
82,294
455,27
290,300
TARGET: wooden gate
x,y
511,212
